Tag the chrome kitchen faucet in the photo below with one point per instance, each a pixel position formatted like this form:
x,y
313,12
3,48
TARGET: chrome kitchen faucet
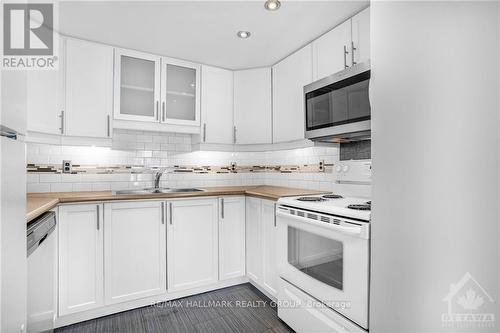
x,y
158,175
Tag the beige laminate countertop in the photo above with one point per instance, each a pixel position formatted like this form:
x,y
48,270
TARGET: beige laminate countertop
x,y
39,203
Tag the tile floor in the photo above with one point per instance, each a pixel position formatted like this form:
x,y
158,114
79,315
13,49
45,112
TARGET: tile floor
x,y
220,311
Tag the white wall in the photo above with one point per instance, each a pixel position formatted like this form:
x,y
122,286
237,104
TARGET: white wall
x,y
435,154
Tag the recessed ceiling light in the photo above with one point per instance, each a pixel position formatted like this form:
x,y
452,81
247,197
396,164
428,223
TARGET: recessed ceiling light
x,y
243,34
272,5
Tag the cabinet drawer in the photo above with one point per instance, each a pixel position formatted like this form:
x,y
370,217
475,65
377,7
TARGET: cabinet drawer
x,y
304,313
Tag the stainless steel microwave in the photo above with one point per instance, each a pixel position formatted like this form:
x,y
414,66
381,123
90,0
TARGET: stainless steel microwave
x,y
337,108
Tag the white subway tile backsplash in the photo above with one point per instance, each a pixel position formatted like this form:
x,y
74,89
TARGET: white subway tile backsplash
x,y
160,139
153,149
81,187
116,186
144,177
38,159
183,147
32,178
91,178
152,146
71,178
101,187
144,138
61,187
144,153
50,150
174,139
31,188
32,149
50,178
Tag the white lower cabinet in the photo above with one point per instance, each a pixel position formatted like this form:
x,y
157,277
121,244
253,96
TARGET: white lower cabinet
x,y
261,244
116,252
80,258
192,243
134,250
231,237
269,272
253,239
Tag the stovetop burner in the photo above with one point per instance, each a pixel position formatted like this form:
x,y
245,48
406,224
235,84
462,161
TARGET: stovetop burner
x,y
360,206
332,196
311,199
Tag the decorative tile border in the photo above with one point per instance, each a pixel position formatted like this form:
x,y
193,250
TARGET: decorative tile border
x,y
140,169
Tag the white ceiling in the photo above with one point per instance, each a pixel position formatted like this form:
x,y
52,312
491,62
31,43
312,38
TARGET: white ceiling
x,y
205,31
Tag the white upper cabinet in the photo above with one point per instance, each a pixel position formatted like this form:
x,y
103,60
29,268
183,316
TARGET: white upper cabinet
x,y
361,36
180,92
331,51
136,86
44,101
344,46
217,105
231,237
192,243
89,93
289,78
14,100
154,89
252,106
135,252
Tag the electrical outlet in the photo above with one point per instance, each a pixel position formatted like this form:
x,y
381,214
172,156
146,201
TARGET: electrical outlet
x,y
67,166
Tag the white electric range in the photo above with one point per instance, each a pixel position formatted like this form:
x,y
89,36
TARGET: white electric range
x,y
323,262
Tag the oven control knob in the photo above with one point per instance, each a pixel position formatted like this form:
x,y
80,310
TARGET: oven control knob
x,y
338,168
345,168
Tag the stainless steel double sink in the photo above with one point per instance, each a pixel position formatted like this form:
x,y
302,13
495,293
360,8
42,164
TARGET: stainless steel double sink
x,y
158,191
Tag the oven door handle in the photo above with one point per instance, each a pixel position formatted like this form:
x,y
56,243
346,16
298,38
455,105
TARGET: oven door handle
x,y
331,226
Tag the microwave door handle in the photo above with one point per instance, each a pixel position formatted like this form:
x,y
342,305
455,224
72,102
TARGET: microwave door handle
x,y
339,228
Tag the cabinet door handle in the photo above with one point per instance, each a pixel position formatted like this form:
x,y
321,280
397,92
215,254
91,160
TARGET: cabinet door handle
x,y
162,213
275,215
98,217
109,124
62,122
157,113
222,208
352,53
164,114
234,134
204,132
345,56
170,212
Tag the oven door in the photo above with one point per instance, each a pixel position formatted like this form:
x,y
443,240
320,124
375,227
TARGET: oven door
x,y
327,261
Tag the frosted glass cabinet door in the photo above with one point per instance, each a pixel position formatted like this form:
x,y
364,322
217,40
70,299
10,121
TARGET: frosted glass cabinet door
x,y
180,85
137,86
